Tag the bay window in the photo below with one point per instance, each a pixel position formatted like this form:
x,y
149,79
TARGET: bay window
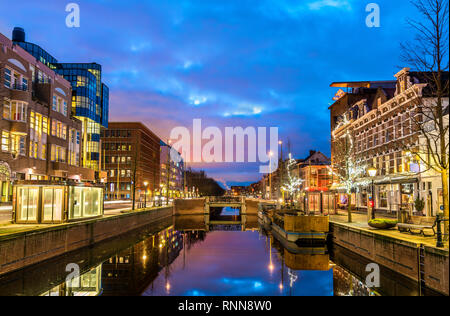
x,y
15,110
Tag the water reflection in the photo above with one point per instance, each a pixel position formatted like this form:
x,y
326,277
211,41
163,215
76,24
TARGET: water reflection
x,y
87,284
189,256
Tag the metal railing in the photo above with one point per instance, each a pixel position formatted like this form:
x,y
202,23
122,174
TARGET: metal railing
x,y
20,87
225,199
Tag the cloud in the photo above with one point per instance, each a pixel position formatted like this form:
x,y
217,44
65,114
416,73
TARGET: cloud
x,y
320,4
231,63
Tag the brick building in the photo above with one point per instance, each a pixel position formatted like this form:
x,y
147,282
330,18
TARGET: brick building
x,y
131,156
40,138
379,117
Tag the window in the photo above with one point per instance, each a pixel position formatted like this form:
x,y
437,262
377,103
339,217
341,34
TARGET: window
x,y
25,84
18,111
27,204
15,110
59,129
5,141
52,204
7,110
18,144
383,197
8,78
58,153
55,104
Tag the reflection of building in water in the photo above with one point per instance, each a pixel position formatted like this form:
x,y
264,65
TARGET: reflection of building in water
x,y
88,284
345,284
131,271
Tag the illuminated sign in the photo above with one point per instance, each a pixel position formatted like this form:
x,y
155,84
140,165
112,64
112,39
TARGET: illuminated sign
x,y
339,94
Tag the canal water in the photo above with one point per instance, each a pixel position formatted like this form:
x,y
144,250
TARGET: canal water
x,y
185,257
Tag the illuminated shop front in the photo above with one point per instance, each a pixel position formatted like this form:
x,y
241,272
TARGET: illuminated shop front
x,y
49,203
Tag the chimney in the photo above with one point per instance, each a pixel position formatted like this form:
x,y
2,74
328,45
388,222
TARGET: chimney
x,y
18,34
312,152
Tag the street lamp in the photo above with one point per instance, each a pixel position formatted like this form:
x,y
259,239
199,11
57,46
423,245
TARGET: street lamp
x,y
145,193
372,171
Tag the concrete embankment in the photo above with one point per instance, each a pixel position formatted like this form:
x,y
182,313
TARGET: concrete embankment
x,y
23,249
424,264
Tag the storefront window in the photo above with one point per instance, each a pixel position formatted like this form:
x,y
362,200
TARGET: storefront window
x,y
27,204
383,197
52,204
86,202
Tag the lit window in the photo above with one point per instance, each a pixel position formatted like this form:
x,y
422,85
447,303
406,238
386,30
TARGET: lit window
x,y
5,141
7,110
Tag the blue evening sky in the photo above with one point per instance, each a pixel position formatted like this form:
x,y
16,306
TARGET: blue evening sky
x,y
231,63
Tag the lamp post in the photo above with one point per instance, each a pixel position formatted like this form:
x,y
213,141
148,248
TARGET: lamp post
x,y
372,171
145,194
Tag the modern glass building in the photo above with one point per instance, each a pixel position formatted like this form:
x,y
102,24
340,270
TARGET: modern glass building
x,y
90,97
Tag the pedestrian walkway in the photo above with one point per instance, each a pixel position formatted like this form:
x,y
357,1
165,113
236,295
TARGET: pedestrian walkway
x,y
360,221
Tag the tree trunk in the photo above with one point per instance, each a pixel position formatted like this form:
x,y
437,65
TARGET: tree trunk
x,y
349,207
444,176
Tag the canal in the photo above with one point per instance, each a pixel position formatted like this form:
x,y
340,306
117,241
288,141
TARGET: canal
x,y
183,256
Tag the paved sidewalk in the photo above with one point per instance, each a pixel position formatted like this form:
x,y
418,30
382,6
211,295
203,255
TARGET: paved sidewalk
x,y
360,222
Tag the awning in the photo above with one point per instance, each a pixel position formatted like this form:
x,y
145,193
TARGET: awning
x,y
402,179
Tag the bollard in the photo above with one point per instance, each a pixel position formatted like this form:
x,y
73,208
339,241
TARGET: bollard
x,y
439,220
439,243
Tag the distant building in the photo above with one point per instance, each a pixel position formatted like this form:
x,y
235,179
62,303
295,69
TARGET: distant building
x,y
131,157
240,190
172,172
314,194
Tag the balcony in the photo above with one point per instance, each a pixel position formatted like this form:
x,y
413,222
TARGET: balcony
x,y
19,87
19,92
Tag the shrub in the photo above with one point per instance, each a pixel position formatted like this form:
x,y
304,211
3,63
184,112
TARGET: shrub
x,y
419,204
382,223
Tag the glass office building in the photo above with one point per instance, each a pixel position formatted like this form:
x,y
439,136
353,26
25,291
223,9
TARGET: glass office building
x,y
90,97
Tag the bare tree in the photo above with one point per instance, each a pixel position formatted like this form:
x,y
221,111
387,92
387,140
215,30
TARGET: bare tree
x,y
345,166
428,54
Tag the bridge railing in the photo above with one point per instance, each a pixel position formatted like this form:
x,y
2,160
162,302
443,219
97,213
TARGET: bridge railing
x,y
225,199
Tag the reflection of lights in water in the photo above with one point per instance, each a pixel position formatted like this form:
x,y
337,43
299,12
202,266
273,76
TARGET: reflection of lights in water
x,y
292,277
271,267
168,287
281,287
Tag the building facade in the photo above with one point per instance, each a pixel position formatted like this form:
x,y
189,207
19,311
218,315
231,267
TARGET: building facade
x,y
40,139
315,195
89,99
131,158
172,172
381,126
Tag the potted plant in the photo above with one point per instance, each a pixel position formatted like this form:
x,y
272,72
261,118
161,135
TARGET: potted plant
x,y
419,204
381,223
